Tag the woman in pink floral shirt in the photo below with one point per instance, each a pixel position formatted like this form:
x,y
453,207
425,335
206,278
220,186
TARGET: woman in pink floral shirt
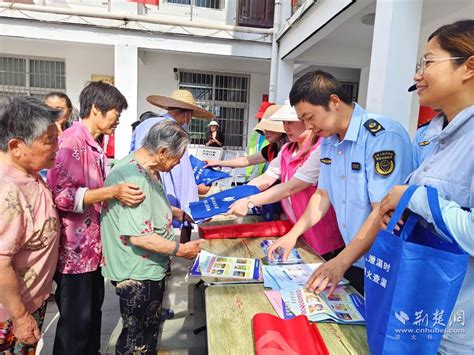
x,y
29,232
77,181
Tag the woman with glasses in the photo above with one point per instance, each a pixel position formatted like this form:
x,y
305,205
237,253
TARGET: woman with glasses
x,y
445,81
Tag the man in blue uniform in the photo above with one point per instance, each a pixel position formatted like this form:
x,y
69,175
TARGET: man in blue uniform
x,y
362,156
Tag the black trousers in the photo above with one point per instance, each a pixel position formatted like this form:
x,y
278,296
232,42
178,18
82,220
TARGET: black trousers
x,y
140,308
354,274
79,298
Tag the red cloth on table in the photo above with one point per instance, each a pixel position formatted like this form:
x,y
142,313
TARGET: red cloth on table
x,y
256,230
275,336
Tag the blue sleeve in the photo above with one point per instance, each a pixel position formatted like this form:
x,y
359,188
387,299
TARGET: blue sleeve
x,y
387,148
417,149
459,222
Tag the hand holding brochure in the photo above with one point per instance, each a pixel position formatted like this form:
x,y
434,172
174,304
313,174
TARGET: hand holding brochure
x,y
293,258
344,306
211,265
203,175
219,203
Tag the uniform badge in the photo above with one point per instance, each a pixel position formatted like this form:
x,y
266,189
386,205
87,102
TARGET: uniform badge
x,y
355,166
326,161
422,144
384,162
373,126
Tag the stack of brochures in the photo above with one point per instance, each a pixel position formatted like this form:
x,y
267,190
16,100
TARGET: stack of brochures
x,y
226,267
290,298
278,277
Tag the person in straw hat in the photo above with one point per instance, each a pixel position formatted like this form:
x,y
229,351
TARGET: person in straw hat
x,y
274,134
179,183
215,138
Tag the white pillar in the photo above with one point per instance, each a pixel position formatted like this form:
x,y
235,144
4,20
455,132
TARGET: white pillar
x,y
284,80
393,58
273,89
126,80
363,84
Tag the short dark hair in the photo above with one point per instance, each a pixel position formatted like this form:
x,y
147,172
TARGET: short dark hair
x,y
103,96
316,87
25,118
146,115
61,95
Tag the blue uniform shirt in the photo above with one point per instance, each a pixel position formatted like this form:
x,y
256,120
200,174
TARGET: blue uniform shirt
x,y
424,135
449,167
374,155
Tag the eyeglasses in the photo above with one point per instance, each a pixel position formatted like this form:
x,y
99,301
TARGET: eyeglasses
x,y
424,63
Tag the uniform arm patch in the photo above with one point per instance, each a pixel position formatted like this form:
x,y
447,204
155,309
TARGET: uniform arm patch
x,y
384,162
373,126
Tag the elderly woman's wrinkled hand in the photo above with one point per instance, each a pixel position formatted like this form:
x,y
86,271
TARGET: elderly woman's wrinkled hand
x,y
190,249
129,194
26,329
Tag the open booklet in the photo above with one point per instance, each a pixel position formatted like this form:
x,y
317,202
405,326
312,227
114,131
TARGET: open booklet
x,y
218,203
226,267
345,305
278,277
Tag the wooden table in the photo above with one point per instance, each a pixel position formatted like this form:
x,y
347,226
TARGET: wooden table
x,y
230,308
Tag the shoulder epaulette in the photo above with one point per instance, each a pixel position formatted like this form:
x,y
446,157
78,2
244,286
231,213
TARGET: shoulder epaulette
x,y
373,126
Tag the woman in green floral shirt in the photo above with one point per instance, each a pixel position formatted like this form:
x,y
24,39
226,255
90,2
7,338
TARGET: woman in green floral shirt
x,y
138,241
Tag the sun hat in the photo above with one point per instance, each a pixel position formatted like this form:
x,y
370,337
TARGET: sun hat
x,y
213,123
266,124
181,99
285,113
263,107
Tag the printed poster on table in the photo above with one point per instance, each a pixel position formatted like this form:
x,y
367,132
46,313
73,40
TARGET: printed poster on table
x,y
211,265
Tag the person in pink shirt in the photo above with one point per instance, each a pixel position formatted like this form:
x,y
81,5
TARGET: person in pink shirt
x,y
77,182
297,166
29,226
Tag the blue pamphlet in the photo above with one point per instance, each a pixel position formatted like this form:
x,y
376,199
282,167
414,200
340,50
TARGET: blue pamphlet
x,y
203,175
219,203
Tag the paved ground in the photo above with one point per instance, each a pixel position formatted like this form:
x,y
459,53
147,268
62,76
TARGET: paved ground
x,y
176,335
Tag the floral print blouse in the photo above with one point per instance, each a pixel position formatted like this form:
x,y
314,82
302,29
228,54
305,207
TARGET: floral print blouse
x,y
79,164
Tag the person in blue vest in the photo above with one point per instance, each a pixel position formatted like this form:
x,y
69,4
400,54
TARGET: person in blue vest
x,y
445,81
363,155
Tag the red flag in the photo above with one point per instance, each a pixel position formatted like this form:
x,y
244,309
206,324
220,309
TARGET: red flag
x,y
147,2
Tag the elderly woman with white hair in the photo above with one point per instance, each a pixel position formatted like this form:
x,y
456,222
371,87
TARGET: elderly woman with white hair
x,y
138,241
29,227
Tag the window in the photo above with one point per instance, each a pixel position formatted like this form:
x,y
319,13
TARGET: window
x,y
352,89
210,4
224,94
255,13
31,76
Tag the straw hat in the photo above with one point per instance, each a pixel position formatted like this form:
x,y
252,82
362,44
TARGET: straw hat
x,y
285,113
182,99
213,123
266,124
